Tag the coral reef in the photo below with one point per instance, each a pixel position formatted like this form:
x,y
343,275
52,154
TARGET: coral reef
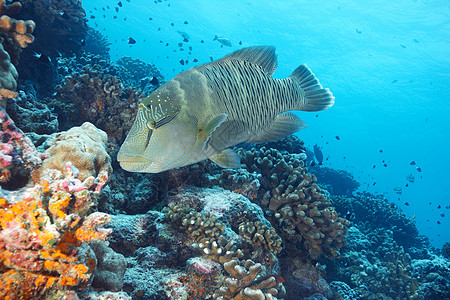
x,y
96,97
280,183
446,250
18,156
14,35
60,25
44,230
337,182
97,43
84,146
32,116
374,263
371,212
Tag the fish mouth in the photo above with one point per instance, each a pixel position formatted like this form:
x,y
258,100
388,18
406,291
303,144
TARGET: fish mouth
x,y
154,151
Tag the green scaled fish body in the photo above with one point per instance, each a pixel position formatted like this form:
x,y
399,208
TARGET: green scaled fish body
x,y
207,109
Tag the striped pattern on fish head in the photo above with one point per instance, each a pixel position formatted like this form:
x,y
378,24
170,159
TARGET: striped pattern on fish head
x,y
163,134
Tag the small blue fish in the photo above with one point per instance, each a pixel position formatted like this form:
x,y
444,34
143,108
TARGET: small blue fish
x,y
223,40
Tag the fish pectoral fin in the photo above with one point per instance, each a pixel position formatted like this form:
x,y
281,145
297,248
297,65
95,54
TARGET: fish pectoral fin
x,y
227,158
283,125
212,125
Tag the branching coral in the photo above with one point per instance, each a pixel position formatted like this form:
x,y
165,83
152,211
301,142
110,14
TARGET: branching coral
x,y
18,156
258,234
85,146
296,203
42,233
247,282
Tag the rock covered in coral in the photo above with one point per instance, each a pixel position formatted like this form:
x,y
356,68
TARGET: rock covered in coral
x,y
43,235
110,269
18,156
93,95
84,146
31,115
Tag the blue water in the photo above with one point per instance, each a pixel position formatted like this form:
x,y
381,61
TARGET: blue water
x,y
387,63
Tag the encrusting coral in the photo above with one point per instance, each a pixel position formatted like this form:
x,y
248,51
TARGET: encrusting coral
x,y
43,231
84,146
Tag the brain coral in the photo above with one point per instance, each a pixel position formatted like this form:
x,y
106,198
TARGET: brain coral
x,y
84,146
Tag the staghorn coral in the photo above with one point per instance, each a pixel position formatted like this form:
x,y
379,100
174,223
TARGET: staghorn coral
x,y
18,156
85,146
97,97
247,281
43,233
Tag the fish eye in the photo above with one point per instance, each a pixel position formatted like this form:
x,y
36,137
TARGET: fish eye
x,y
151,124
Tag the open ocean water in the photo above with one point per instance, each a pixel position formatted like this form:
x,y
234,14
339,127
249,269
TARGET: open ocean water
x,y
386,62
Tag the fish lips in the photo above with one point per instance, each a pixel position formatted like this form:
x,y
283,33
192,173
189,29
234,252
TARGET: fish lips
x,y
167,147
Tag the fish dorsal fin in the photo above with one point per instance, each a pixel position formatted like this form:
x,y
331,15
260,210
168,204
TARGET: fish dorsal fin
x,y
205,133
263,56
283,125
227,158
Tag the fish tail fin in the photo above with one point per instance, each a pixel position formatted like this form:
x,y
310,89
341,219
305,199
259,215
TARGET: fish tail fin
x,y
215,37
316,97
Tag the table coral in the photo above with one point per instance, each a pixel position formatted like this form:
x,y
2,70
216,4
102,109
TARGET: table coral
x,y
43,231
18,156
84,146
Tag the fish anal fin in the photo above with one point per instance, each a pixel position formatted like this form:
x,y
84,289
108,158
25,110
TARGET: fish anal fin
x,y
316,97
205,133
283,125
227,158
263,56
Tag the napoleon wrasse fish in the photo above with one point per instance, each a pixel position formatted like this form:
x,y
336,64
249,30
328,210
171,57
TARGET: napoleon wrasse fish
x,y
207,109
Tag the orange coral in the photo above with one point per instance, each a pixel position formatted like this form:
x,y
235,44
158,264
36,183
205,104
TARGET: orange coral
x,y
42,240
